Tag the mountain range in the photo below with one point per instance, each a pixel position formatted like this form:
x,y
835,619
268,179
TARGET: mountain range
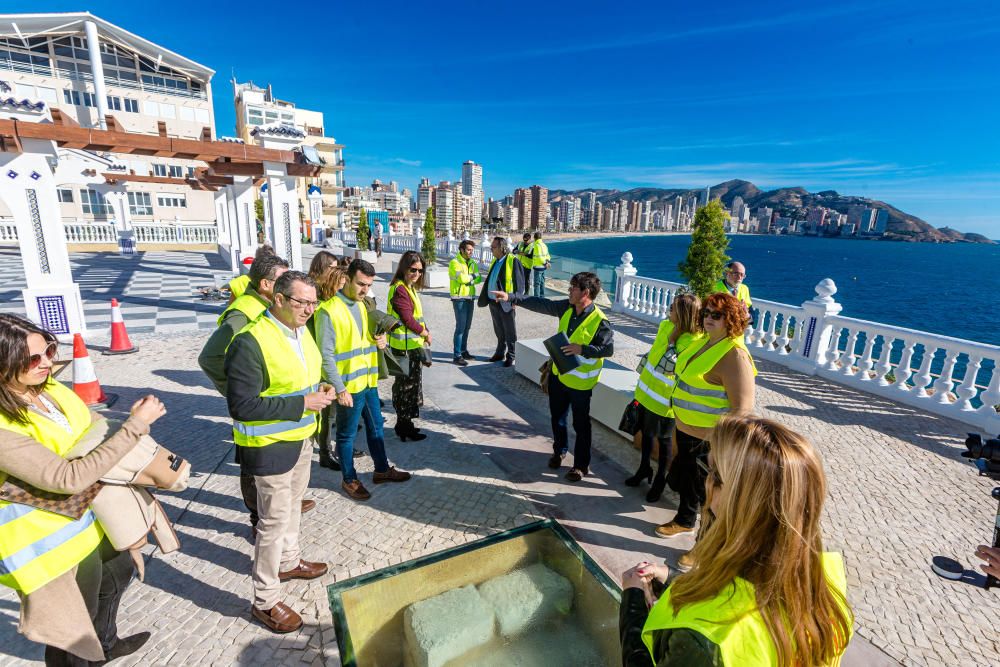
x,y
793,203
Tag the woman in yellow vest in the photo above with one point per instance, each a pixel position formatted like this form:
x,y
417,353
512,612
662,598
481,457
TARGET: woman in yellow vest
x,y
409,339
715,376
762,591
330,278
57,564
656,385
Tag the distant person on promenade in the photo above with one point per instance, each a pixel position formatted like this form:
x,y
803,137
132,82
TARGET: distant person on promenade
x,y
411,339
350,364
763,592
656,385
330,278
523,251
68,576
463,274
505,275
715,376
239,284
732,283
541,261
264,272
377,236
591,339
274,393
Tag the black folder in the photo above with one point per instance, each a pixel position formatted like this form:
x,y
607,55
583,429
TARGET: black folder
x,y
564,362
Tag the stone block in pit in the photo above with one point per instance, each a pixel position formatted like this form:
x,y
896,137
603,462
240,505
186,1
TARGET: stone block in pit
x,y
526,597
446,626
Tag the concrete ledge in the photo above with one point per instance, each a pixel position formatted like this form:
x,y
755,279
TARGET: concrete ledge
x,y
612,393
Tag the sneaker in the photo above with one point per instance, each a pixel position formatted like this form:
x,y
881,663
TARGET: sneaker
x,y
670,529
391,475
508,362
685,562
460,361
356,490
556,460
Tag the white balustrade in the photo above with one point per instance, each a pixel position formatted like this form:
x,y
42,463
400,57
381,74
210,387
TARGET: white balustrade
x,y
89,233
8,232
171,233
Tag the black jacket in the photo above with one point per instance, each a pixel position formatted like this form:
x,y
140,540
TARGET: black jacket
x,y
672,648
484,299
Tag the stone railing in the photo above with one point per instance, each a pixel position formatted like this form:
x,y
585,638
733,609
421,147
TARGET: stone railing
x,y
8,232
87,233
947,376
185,234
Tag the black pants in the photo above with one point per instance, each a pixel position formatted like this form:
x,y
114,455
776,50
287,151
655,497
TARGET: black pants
x,y
660,428
248,487
687,478
561,400
505,329
323,437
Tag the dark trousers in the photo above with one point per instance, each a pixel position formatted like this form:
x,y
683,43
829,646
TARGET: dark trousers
x,y
505,328
464,309
324,436
249,490
687,478
561,400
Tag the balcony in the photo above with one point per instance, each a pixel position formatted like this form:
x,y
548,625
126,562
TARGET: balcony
x,y
47,71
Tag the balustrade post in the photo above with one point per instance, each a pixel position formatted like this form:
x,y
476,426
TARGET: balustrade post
x,y
967,390
812,353
625,273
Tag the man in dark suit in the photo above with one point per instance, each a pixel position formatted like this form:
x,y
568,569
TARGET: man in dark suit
x,y
505,275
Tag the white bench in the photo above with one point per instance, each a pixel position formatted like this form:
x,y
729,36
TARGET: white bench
x,y
612,393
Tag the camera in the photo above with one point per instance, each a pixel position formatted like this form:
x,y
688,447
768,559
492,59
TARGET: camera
x,y
985,454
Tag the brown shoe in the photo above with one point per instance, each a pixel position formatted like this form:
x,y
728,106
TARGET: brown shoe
x,y
391,475
575,474
304,570
280,618
308,505
356,490
670,529
685,562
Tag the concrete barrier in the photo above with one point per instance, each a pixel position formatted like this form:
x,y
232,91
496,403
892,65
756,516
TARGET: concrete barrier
x,y
612,393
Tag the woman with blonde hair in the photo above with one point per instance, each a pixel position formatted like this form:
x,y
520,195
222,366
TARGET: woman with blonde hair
x,y
326,271
656,385
762,591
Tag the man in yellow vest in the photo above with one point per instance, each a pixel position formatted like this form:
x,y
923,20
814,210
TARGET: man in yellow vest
x,y
505,275
274,395
239,284
463,272
524,251
540,263
591,339
732,283
350,364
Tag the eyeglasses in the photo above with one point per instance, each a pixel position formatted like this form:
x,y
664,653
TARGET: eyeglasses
x,y
415,271
50,354
711,314
302,302
740,274
710,472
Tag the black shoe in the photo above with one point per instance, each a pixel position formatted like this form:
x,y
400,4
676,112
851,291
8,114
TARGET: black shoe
x,y
328,462
460,361
467,355
409,432
360,453
508,362
645,471
656,490
125,646
556,460
496,357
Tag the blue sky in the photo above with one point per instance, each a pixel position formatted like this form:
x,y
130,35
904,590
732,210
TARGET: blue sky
x,y
892,100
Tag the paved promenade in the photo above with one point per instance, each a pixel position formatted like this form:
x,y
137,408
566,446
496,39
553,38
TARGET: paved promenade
x,y
899,494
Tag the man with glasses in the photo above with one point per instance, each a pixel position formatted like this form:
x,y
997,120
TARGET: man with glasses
x,y
732,283
350,364
274,394
505,275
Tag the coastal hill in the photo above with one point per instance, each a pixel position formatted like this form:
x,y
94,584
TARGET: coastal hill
x,y
793,203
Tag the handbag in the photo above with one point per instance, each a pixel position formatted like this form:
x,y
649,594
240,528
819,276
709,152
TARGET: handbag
x,y
73,506
630,418
399,365
546,370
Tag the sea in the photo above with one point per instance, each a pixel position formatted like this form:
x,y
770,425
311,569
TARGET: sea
x,y
951,289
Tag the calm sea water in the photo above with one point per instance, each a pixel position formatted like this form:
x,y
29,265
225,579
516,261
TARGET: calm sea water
x,y
951,289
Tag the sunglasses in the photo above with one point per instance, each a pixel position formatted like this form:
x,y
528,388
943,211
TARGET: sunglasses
x,y
36,359
415,270
711,314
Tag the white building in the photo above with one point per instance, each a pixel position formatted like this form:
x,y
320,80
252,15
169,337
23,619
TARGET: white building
x,y
444,207
569,213
472,186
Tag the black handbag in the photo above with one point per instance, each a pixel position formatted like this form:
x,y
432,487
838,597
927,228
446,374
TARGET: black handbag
x,y
630,418
399,365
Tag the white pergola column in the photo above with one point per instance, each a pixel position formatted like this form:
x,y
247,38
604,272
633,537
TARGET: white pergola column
x,y
97,69
242,195
316,215
282,203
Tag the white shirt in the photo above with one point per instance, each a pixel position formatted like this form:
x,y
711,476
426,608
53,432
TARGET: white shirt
x,y
294,336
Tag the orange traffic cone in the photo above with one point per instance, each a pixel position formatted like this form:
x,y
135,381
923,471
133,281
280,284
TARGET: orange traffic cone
x,y
120,343
85,382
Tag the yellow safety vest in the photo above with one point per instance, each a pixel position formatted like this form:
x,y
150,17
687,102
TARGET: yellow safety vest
x,y
541,255
731,620
355,352
464,275
402,338
654,389
695,401
508,285
250,304
287,376
742,292
587,374
522,249
37,546
238,285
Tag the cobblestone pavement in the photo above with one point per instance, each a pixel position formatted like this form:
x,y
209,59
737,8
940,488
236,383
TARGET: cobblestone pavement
x,y
899,494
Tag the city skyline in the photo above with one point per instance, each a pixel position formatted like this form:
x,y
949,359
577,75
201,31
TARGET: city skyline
x,y
893,102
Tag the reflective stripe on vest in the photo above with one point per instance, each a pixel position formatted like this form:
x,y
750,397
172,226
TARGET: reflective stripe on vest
x,y
586,375
458,269
732,621
287,376
355,354
250,305
401,338
238,285
654,389
695,401
37,546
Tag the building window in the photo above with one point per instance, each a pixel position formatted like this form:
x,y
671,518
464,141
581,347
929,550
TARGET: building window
x,y
190,172
160,170
176,171
171,201
139,203
66,196
94,202
114,103
132,106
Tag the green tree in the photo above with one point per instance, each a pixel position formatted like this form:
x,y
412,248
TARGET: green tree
x,y
258,208
363,231
706,256
429,247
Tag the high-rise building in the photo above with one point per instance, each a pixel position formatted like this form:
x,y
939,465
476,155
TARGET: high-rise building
x,y
472,186
425,196
737,208
569,213
533,206
587,201
444,207
510,217
764,215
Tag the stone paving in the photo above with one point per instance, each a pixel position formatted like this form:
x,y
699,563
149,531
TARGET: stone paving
x,y
898,494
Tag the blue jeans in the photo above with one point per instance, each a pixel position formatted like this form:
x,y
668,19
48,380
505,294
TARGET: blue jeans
x,y
347,429
464,308
538,278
